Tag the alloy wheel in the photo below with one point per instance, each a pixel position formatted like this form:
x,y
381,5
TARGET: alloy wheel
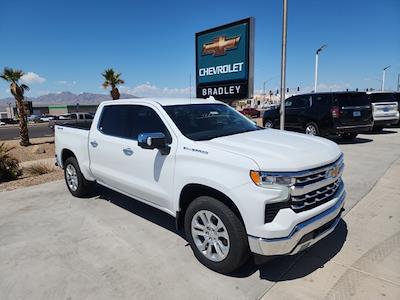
x,y
210,235
72,177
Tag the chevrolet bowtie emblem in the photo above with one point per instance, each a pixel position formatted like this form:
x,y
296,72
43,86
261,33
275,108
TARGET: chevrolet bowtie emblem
x,y
220,45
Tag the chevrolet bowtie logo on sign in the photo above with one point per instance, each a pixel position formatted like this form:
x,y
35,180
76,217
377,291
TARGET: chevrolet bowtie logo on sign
x,y
220,45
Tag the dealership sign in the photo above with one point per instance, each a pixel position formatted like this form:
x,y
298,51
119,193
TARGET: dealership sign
x,y
224,61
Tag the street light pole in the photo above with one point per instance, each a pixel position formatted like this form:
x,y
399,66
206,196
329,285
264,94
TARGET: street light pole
x,y
383,77
283,66
316,67
264,91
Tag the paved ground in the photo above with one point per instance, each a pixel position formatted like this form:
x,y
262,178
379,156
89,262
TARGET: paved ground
x,y
54,246
11,132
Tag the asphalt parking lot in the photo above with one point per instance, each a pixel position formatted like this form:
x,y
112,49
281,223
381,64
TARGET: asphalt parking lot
x,y
55,246
11,132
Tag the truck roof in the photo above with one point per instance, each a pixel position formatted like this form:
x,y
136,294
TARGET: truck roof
x,y
165,101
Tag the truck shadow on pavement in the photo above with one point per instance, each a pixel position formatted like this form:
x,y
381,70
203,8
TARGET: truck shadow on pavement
x,y
351,142
290,267
278,268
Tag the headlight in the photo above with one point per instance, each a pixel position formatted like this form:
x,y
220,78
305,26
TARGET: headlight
x,y
268,179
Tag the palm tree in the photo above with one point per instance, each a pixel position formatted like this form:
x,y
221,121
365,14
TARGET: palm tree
x,y
112,79
13,76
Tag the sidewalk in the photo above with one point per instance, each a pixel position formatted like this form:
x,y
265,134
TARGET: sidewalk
x,y
368,265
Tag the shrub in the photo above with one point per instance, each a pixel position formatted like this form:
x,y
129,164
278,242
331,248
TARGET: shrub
x,y
9,165
39,169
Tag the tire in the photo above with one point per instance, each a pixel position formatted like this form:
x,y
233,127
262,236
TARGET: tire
x,y
348,136
227,233
76,183
268,123
311,128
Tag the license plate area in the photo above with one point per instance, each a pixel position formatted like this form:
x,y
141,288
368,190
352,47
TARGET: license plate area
x,y
356,113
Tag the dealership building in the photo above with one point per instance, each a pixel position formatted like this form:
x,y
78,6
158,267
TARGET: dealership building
x,y
54,110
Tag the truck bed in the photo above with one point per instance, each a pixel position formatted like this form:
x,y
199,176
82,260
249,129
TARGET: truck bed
x,y
85,125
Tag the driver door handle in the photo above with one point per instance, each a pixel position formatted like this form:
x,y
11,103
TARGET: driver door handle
x,y
127,151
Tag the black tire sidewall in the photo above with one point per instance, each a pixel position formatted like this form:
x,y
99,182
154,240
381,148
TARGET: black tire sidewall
x,y
239,248
83,184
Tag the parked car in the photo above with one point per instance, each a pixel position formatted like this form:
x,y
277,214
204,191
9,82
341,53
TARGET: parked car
x,y
252,112
47,118
234,188
9,121
34,118
335,113
397,97
71,118
2,123
385,109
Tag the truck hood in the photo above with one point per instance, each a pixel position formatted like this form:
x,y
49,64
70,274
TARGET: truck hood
x,y
276,150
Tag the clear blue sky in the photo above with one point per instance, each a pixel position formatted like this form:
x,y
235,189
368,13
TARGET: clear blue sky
x,y
67,44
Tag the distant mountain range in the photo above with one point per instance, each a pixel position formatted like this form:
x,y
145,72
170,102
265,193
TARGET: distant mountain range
x,y
65,98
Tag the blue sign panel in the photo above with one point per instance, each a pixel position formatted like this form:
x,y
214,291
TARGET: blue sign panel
x,y
224,61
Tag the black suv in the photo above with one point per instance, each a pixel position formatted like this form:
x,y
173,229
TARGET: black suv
x,y
335,113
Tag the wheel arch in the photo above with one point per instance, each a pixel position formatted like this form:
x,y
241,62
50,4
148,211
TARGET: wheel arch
x,y
192,191
65,154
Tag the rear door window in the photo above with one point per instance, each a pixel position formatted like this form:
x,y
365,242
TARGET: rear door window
x,y
323,100
299,102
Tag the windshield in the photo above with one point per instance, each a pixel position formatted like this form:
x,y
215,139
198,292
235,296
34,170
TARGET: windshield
x,y
200,122
382,97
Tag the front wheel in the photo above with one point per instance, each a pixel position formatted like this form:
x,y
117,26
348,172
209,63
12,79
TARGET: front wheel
x,y
216,235
76,182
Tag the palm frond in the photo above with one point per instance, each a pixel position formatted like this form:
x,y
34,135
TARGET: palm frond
x,y
111,78
11,75
24,87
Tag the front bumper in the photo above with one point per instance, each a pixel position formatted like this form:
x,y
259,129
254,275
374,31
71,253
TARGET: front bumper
x,y
303,234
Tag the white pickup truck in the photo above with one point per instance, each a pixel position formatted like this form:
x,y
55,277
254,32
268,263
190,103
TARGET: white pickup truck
x,y
233,187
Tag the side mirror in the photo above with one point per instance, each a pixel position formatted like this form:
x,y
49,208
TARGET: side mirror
x,y
154,140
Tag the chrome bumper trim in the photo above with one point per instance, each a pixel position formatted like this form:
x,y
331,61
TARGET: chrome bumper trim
x,y
290,244
354,126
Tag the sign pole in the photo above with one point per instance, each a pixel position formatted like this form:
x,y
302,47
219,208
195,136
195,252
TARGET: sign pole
x,y
283,66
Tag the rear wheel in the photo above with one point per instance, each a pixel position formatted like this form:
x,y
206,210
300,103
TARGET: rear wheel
x,y
76,182
216,235
311,129
268,123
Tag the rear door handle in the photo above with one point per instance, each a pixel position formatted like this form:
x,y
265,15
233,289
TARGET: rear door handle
x,y
94,144
128,151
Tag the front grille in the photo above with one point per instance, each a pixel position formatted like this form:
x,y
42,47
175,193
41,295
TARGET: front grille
x,y
311,189
315,198
317,186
